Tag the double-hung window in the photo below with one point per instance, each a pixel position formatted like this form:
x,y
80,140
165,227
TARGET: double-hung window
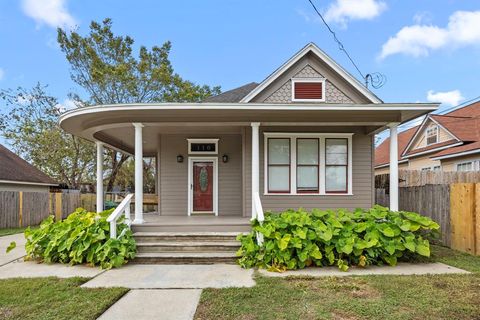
x,y
279,165
432,134
308,160
308,163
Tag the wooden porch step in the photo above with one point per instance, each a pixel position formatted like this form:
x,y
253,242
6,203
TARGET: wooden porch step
x,y
188,246
143,237
193,228
185,258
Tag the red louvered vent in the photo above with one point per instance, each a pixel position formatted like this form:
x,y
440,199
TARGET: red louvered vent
x,y
308,90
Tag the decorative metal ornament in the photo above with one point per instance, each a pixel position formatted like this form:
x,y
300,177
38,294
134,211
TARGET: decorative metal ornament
x,y
203,179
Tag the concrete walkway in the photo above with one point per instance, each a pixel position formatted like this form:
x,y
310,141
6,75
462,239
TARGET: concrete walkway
x,y
174,304
400,269
137,276
16,253
32,269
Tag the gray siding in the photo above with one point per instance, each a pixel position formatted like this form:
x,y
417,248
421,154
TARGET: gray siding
x,y
362,176
23,187
174,176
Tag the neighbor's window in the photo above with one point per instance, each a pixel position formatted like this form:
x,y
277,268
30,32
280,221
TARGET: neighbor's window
x,y
336,165
465,166
432,134
278,165
307,165
308,89
437,168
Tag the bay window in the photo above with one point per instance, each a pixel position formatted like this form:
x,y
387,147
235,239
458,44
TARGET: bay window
x,y
308,163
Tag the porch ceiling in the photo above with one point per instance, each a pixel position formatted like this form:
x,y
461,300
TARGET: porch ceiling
x,y
112,124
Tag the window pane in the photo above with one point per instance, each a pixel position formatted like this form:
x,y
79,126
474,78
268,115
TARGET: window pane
x,y
336,151
279,151
279,178
307,151
336,178
307,178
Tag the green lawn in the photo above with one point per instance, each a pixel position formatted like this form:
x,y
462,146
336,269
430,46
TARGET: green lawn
x,y
54,298
9,231
354,298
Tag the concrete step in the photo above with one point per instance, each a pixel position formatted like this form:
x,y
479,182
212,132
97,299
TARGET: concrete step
x,y
185,258
143,237
188,246
225,227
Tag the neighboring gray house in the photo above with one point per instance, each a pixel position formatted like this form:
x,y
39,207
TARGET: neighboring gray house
x,y
303,137
17,174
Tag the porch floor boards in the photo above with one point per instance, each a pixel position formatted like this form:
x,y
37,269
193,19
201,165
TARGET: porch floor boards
x,y
154,218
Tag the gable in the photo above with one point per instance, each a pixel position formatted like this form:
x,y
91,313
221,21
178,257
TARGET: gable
x,y
311,63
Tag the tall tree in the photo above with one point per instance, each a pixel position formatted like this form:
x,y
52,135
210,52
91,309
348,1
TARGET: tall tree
x,y
104,65
29,123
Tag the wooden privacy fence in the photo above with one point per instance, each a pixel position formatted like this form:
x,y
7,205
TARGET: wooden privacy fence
x,y
455,207
22,209
414,178
432,201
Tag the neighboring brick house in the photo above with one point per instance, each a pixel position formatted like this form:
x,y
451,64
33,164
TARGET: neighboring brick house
x,y
449,142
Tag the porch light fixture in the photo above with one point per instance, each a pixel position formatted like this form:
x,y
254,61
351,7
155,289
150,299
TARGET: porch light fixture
x,y
225,158
179,158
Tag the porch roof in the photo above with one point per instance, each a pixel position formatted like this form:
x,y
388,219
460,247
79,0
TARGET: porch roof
x,y
112,124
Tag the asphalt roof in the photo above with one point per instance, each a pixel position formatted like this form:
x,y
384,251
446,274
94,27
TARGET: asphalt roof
x,y
234,95
14,168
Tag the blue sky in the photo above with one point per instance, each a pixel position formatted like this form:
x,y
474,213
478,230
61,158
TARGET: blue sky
x,y
428,49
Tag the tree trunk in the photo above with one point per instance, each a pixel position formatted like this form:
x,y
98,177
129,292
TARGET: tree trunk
x,y
115,167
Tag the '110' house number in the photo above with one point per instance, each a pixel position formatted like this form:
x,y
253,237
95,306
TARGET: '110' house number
x,y
202,147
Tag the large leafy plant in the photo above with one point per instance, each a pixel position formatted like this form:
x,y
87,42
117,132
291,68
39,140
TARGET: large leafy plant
x,y
83,237
297,239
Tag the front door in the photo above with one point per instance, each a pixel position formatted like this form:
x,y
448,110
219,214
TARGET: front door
x,y
203,186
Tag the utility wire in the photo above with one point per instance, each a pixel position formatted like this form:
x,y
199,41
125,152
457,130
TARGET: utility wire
x,y
376,79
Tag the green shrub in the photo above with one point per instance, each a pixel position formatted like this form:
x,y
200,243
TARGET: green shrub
x,y
83,237
297,239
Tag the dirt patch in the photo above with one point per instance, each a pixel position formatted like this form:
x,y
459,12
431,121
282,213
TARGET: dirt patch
x,y
5,313
343,316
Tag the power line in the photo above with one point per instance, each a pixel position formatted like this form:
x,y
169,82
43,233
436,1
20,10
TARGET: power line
x,y
376,79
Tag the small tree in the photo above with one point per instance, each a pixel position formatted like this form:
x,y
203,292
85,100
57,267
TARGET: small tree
x,y
104,65
29,123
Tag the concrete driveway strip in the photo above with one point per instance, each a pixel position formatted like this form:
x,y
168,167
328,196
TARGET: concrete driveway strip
x,y
168,304
16,253
31,269
137,276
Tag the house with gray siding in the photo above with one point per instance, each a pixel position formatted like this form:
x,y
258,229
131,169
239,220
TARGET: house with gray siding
x,y
302,137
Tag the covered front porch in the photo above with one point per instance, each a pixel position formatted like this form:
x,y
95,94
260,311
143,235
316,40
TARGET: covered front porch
x,y
237,165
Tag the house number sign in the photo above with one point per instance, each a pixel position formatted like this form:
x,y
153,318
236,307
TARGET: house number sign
x,y
202,147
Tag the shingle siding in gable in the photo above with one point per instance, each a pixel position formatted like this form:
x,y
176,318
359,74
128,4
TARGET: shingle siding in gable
x,y
284,93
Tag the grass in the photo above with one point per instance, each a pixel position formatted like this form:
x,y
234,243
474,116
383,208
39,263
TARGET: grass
x,y
54,298
353,298
9,231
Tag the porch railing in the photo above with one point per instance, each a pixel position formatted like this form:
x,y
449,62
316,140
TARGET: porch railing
x,y
258,209
123,207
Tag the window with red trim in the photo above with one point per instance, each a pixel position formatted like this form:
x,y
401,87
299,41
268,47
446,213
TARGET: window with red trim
x,y
278,165
308,165
336,165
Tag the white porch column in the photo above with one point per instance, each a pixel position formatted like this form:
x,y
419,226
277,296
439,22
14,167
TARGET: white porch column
x,y
255,164
393,166
138,173
100,150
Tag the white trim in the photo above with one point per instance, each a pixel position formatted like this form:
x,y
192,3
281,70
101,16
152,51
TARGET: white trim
x,y
190,141
293,169
454,155
249,107
29,183
308,80
433,150
311,47
138,173
99,191
214,160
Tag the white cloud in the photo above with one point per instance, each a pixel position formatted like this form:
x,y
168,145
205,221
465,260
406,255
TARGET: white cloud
x,y
50,12
2,74
66,105
451,98
418,40
341,11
